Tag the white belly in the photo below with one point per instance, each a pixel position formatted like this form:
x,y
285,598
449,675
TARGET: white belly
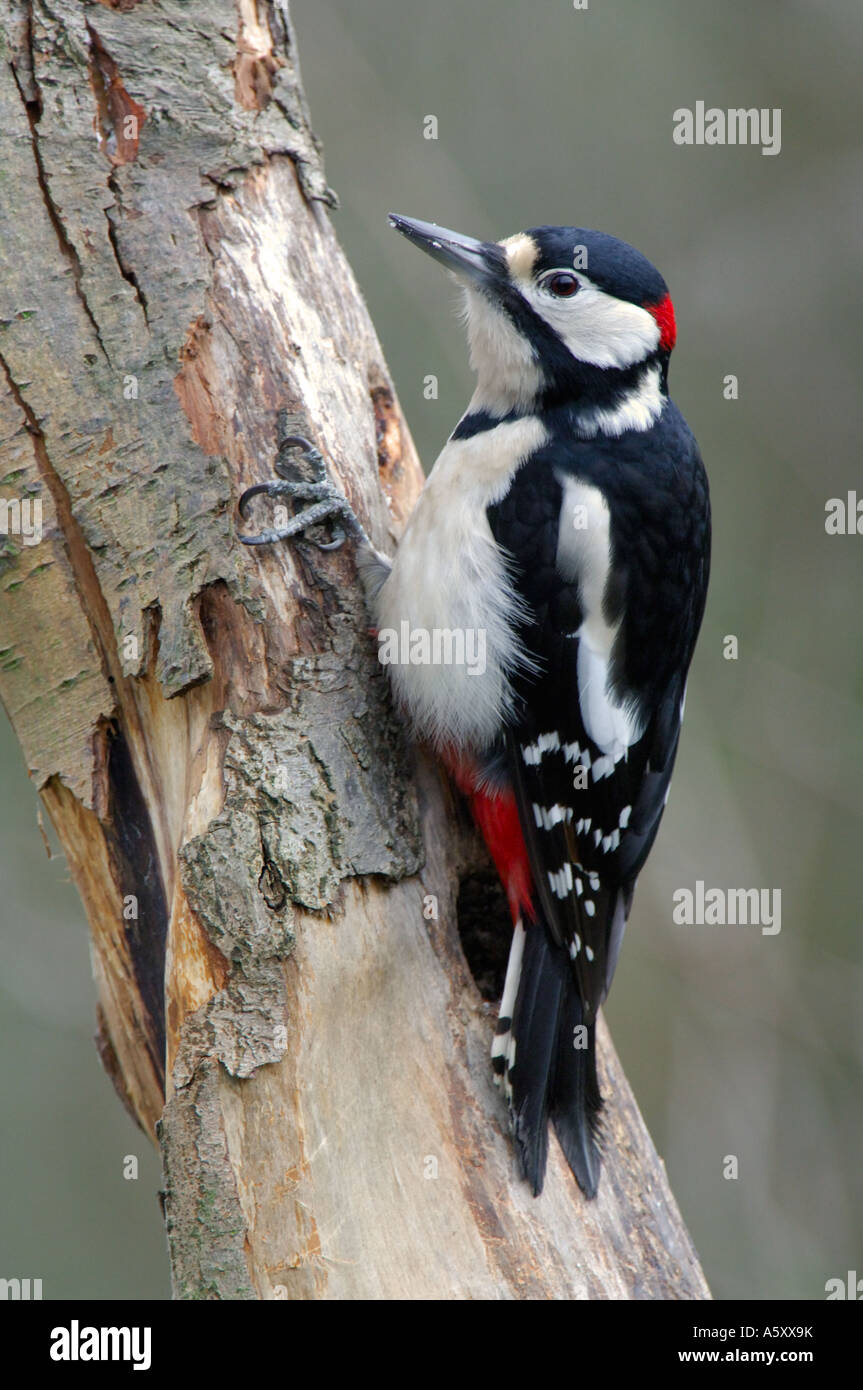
x,y
445,614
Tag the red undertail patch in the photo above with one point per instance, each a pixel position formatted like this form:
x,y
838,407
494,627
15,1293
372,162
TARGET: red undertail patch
x,y
496,816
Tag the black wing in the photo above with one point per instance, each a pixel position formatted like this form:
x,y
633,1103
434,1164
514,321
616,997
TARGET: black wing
x,y
591,810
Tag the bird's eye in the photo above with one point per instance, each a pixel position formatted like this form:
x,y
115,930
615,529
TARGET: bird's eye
x,y
562,284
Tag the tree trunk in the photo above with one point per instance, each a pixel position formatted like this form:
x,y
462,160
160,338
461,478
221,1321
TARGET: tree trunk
x,y
269,870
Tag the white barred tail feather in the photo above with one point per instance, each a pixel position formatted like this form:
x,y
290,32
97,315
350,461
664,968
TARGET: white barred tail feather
x,y
503,1047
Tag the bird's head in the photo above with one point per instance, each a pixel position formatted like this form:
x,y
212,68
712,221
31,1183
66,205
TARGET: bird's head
x,y
557,315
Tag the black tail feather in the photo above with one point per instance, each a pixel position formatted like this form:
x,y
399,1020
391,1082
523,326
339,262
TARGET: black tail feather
x,y
534,1029
576,1100
554,1075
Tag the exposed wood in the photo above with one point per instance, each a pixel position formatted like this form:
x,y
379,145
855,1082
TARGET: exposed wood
x,y
255,843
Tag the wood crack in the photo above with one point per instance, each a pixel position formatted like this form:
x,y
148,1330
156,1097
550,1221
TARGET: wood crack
x,y
86,582
92,600
67,248
125,270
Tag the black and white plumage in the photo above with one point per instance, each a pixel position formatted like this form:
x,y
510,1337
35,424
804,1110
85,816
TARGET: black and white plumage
x,y
592,747
567,519
569,516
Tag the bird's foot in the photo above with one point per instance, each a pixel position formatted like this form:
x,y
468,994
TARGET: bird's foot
x,y
328,503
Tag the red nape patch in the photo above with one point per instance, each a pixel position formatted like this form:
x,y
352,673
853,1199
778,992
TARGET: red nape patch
x,y
496,815
663,312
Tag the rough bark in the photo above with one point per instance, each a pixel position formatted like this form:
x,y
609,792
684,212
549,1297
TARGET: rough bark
x,y
254,842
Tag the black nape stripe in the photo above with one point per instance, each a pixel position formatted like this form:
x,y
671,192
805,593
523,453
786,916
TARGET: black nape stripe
x,y
478,421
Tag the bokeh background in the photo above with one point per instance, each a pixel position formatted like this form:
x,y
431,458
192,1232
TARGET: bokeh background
x,y
736,1043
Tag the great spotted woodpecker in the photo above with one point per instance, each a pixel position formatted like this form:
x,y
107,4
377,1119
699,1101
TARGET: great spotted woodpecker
x,y
567,520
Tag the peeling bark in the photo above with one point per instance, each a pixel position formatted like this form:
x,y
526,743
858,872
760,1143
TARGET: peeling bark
x,y
255,843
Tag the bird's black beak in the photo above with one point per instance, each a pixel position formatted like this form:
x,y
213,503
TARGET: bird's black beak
x,y
482,262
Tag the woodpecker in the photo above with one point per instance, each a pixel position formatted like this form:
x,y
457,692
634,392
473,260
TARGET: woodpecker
x,y
567,520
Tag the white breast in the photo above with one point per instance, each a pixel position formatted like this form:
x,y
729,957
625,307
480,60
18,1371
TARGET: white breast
x,y
449,581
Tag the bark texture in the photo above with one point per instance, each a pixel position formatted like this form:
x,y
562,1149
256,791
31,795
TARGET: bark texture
x,y
269,871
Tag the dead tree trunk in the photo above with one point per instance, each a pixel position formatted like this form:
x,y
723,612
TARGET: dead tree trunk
x,y
255,845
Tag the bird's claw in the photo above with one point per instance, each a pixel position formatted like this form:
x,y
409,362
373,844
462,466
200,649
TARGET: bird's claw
x,y
326,499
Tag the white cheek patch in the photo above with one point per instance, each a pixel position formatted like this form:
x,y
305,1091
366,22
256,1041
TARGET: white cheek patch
x,y
595,327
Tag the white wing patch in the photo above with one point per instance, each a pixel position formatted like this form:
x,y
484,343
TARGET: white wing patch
x,y
584,557
595,326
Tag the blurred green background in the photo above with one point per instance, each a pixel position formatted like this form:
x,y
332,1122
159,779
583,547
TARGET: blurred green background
x,y
735,1043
